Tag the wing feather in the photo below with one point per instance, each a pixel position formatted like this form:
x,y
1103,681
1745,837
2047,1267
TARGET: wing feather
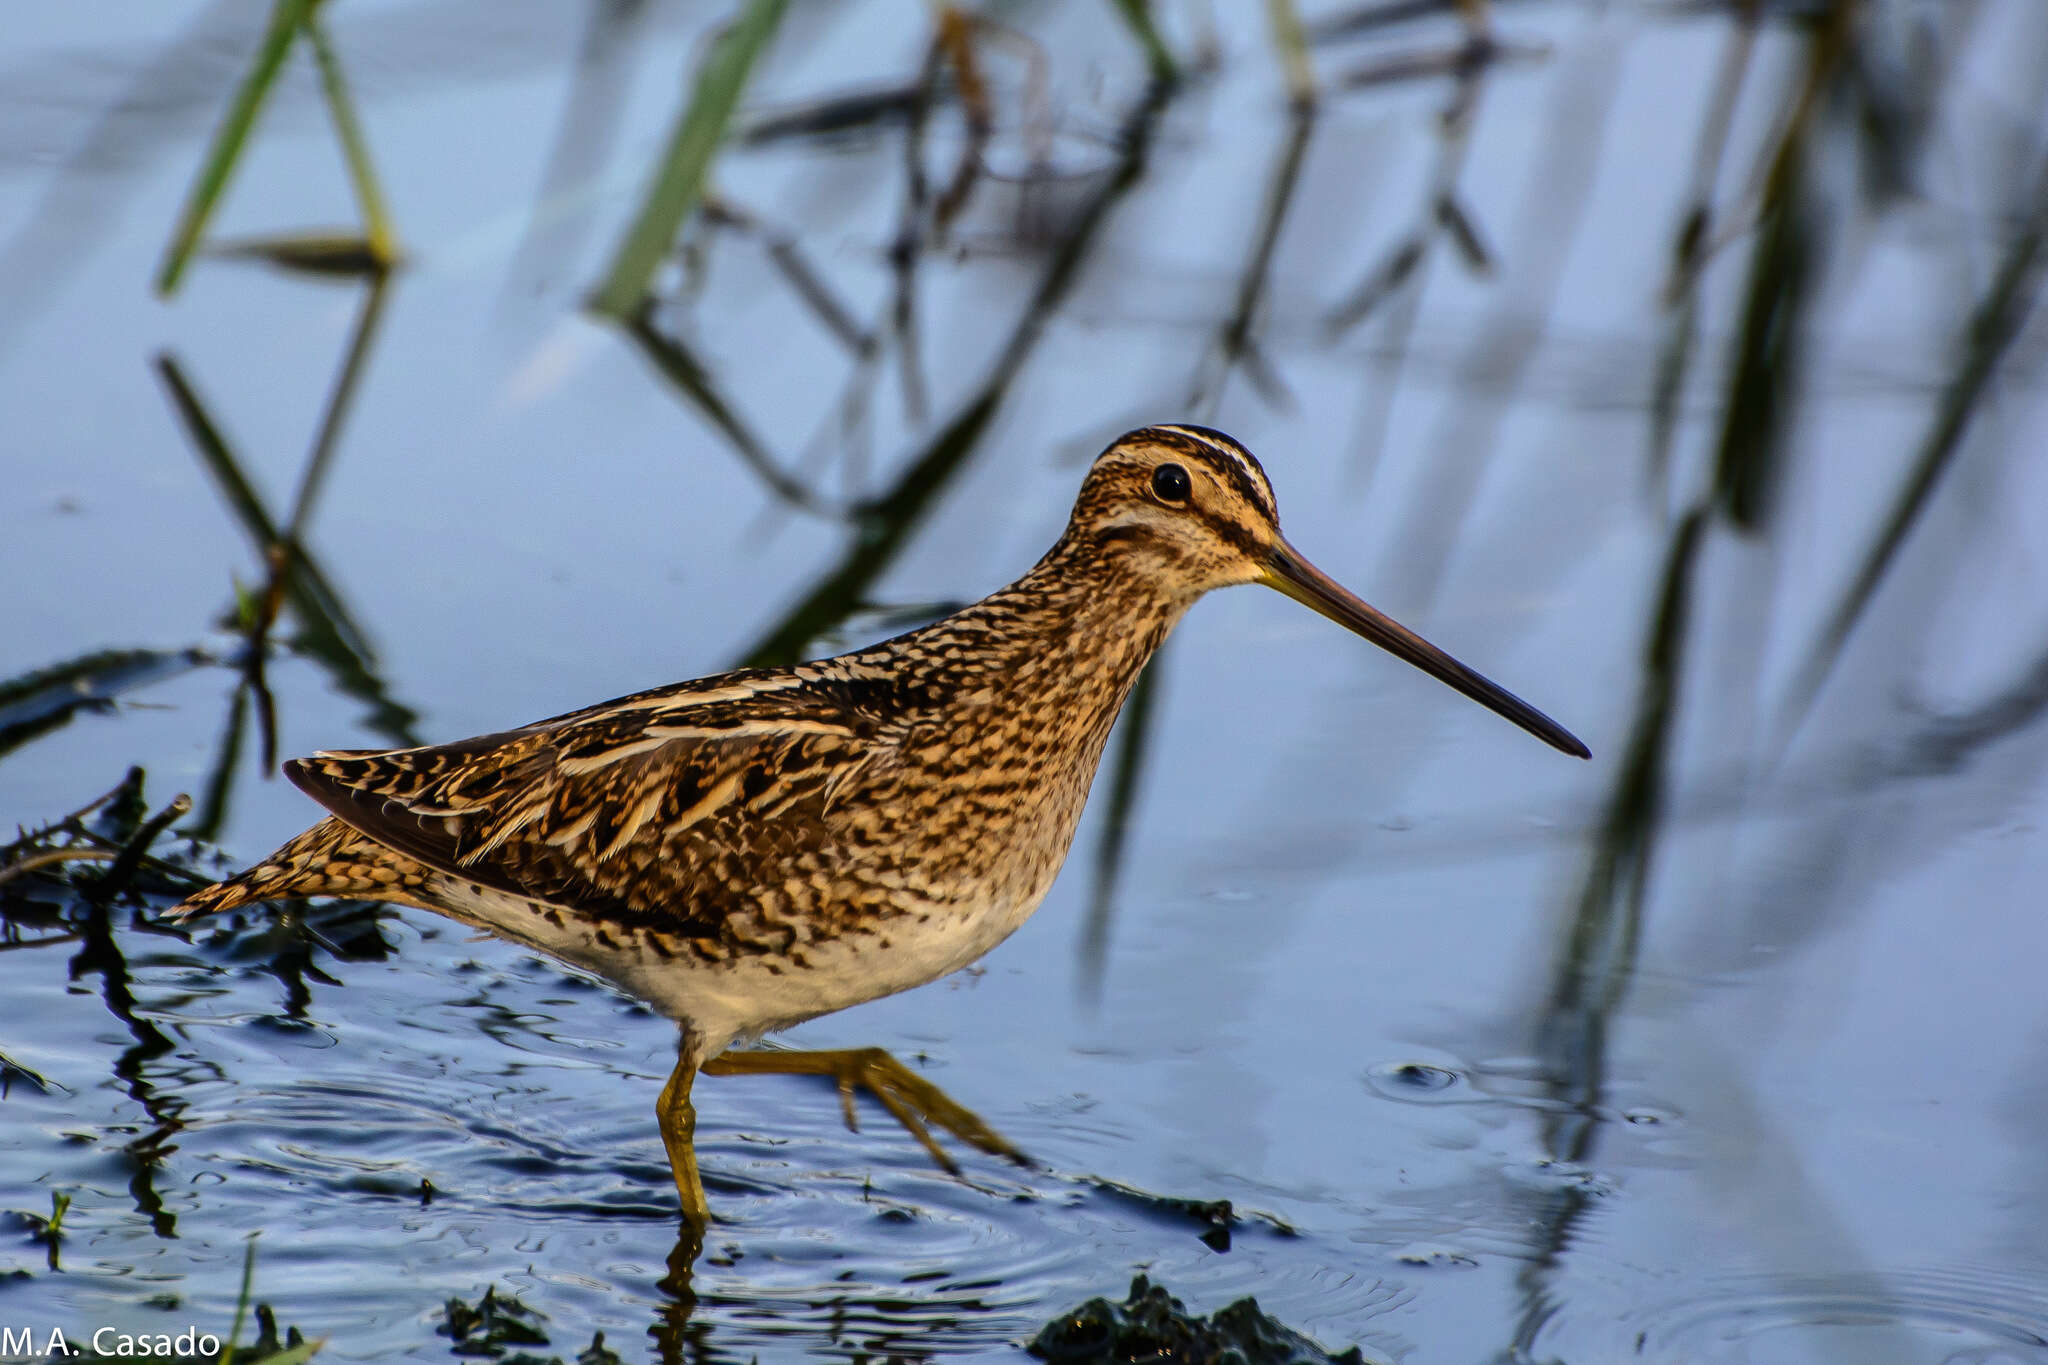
x,y
617,810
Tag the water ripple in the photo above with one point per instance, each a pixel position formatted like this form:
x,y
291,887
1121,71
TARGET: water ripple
x,y
1954,1315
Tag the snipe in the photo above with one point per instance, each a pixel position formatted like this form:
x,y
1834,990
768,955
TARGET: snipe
x,y
752,850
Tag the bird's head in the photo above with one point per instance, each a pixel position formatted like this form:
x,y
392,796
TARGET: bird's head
x,y
1189,510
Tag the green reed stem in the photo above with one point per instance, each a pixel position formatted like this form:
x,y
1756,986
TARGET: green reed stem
x,y
679,184
355,150
1137,16
1292,44
286,19
248,1284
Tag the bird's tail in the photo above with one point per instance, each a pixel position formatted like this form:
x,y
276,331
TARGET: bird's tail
x,y
330,859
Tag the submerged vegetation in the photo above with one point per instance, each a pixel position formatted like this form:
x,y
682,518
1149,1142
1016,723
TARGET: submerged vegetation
x,y
1150,1324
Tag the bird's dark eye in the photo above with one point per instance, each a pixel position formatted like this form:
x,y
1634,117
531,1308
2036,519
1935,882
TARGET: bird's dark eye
x,y
1170,482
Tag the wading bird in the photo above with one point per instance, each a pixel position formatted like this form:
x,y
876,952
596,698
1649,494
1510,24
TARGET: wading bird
x,y
755,849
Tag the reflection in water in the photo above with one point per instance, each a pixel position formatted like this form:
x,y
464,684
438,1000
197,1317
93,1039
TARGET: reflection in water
x,y
1796,234
40,701
120,834
1467,442
590,124
326,632
888,520
325,629
78,211
1441,216
2006,306
1235,346
674,361
1598,963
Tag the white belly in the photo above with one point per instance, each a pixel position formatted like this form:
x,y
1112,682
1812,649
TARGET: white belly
x,y
744,996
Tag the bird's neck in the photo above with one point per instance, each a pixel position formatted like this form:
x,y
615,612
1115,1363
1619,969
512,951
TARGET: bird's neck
x,y
1064,644
1018,696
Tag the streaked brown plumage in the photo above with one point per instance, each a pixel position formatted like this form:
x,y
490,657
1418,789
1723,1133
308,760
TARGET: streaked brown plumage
x,y
754,849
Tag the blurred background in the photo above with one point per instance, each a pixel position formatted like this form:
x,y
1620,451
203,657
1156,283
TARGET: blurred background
x,y
387,371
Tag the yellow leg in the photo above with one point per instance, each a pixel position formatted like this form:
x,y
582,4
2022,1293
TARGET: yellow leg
x,y
678,1133
913,1100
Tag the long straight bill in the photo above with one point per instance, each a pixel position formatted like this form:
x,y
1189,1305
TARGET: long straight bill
x,y
1305,583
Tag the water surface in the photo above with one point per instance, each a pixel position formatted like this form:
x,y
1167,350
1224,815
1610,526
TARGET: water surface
x,y
1727,1046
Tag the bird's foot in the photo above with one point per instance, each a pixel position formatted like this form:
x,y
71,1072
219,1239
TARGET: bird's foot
x,y
915,1102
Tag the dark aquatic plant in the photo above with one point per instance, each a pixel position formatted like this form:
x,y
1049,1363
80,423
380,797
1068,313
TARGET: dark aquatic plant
x,y
498,1327
1152,1325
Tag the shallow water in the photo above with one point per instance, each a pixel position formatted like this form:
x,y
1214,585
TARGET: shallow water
x,y
1726,1046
